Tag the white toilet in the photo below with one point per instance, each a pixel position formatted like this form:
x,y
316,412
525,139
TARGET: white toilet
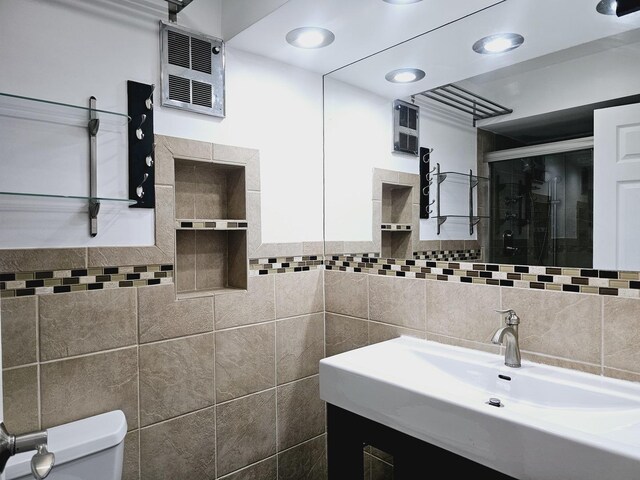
x,y
89,449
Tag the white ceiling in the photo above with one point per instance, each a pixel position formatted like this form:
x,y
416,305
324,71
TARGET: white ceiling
x,y
361,27
364,27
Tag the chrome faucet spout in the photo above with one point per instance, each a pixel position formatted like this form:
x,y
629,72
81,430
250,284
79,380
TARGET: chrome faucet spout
x,y
508,336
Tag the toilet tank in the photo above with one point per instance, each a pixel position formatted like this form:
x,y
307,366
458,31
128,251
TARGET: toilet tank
x,y
89,449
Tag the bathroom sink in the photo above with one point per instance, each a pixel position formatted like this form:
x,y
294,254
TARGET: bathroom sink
x,y
551,423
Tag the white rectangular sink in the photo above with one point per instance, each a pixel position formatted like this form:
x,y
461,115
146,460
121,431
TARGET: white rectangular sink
x,y
553,423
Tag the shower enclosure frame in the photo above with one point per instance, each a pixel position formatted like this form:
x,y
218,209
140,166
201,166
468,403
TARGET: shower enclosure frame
x,y
551,148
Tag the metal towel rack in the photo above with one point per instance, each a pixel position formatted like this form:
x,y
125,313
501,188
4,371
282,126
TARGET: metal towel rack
x,y
462,99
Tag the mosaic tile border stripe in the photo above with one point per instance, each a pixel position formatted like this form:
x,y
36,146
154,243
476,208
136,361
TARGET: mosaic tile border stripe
x,y
22,284
597,282
396,226
448,255
267,266
211,224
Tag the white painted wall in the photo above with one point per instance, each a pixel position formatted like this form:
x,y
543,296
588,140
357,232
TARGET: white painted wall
x,y
359,138
238,15
68,50
596,77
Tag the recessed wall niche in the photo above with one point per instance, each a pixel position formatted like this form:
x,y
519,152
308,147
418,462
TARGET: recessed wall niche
x,y
397,221
211,236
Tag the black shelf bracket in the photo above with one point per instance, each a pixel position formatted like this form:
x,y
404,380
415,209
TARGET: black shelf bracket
x,y
141,145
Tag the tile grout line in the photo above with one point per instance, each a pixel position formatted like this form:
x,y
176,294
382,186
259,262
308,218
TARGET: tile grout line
x,y
275,370
602,336
138,379
38,372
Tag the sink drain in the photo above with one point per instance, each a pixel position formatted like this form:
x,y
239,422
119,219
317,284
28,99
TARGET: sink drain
x,y
495,402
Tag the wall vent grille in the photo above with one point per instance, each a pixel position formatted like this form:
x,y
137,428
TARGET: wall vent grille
x,y
192,70
406,127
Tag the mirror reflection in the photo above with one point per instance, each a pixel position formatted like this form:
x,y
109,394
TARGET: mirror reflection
x,y
502,137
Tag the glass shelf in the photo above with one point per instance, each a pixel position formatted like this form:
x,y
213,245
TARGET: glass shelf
x,y
39,109
459,216
69,197
460,176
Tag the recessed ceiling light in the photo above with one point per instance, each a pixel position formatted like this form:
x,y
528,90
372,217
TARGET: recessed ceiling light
x,y
310,37
405,75
401,2
607,7
498,43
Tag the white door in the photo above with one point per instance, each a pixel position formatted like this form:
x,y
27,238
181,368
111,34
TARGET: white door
x,y
616,196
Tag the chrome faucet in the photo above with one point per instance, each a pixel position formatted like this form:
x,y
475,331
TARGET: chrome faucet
x,y
509,335
41,463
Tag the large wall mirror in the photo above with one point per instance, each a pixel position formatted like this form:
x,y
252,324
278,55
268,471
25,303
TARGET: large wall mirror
x,y
530,142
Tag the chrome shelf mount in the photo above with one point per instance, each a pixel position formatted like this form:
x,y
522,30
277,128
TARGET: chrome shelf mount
x,y
478,107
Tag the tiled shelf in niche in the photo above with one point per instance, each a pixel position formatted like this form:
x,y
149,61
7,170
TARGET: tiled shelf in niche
x,y
211,230
201,224
396,226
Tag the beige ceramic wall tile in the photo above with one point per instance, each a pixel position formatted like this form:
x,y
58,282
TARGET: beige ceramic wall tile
x,y
254,220
412,180
176,377
233,154
459,342
32,259
20,399
299,346
180,448
85,322
19,330
211,195
211,259
299,293
546,317
306,461
162,317
252,170
563,363
269,250
131,461
245,360
264,470
246,431
359,247
255,305
462,310
313,248
161,253
84,386
333,247
344,333
164,164
382,176
185,190
397,300
238,265
380,332
621,374
622,333
188,149
185,269
301,413
427,245
347,293
236,194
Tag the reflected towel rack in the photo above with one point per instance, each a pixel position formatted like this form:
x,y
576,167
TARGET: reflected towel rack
x,y
478,107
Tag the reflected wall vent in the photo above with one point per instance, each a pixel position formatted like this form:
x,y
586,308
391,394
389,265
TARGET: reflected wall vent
x,y
192,70
406,126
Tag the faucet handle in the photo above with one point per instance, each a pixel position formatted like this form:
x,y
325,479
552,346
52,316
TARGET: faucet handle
x,y
42,462
511,317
